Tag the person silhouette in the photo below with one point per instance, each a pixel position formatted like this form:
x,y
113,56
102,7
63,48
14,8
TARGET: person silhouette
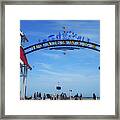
x,y
94,96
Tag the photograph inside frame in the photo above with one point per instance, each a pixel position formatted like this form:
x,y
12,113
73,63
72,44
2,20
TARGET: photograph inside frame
x,y
59,59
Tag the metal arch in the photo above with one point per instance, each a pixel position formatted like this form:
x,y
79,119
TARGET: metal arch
x,y
62,44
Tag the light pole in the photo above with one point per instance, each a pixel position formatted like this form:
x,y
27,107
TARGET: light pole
x,y
58,87
70,91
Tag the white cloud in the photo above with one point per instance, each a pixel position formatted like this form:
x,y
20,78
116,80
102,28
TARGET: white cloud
x,y
62,74
50,72
45,65
36,33
51,55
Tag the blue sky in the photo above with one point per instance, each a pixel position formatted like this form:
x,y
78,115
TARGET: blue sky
x,y
77,70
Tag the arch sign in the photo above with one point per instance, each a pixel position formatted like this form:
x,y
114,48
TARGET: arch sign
x,y
64,41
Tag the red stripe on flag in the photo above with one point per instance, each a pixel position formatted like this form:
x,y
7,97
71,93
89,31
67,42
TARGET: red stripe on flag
x,y
23,57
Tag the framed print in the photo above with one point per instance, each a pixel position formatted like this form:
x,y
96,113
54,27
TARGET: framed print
x,y
60,59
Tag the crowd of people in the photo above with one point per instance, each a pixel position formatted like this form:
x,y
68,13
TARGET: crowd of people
x,y
61,96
